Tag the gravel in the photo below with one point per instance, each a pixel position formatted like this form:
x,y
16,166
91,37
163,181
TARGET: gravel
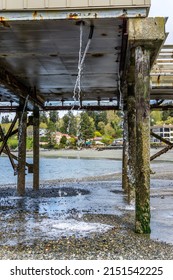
x,y
119,242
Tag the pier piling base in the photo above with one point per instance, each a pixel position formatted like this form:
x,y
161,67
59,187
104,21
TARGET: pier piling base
x,y
36,148
21,151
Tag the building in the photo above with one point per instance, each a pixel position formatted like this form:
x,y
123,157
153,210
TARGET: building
x,y
165,131
59,135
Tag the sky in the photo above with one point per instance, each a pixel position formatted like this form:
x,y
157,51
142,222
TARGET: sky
x,y
164,8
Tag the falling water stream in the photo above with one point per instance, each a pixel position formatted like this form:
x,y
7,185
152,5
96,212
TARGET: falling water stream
x,y
77,87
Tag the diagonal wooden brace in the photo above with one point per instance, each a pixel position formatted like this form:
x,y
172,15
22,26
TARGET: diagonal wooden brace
x,y
164,150
12,157
15,131
5,138
7,151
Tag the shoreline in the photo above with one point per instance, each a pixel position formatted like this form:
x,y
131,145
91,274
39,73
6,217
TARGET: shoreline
x,y
115,154
118,243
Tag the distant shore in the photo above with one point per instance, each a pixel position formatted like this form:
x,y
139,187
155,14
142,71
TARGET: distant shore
x,y
163,172
95,153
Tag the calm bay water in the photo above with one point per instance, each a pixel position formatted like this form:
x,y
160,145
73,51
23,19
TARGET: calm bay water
x,y
62,168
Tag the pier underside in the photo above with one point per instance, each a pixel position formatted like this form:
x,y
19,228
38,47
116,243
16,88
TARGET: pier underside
x,y
39,69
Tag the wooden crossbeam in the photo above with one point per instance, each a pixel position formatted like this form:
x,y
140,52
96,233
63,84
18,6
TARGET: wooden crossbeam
x,y
160,138
15,131
87,107
8,133
18,88
164,150
7,151
29,165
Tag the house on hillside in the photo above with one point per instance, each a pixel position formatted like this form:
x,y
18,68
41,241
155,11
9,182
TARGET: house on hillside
x,y
165,131
59,135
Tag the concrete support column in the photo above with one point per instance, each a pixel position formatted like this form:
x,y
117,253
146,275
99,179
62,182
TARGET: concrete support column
x,y
21,150
142,90
36,148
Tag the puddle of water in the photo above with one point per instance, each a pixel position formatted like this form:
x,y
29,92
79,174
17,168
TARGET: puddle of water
x,y
58,211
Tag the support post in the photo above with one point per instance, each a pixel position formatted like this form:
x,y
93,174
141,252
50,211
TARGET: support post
x,y
145,38
125,183
125,149
131,119
21,150
142,89
36,148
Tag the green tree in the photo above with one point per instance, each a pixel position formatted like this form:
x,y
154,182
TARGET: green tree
x,y
87,127
156,117
63,140
169,120
109,130
97,134
29,143
115,121
69,124
43,117
166,114
5,119
98,117
51,129
101,127
53,116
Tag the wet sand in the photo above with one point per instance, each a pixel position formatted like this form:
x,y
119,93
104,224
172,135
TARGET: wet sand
x,y
32,216
95,153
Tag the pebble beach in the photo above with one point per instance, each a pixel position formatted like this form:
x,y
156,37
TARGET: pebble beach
x,y
118,242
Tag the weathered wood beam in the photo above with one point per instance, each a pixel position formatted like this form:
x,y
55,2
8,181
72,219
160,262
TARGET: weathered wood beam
x,y
164,150
36,148
7,150
160,138
145,38
131,117
142,87
161,108
21,152
125,158
18,88
15,131
29,165
83,107
5,138
8,109
161,152
148,32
